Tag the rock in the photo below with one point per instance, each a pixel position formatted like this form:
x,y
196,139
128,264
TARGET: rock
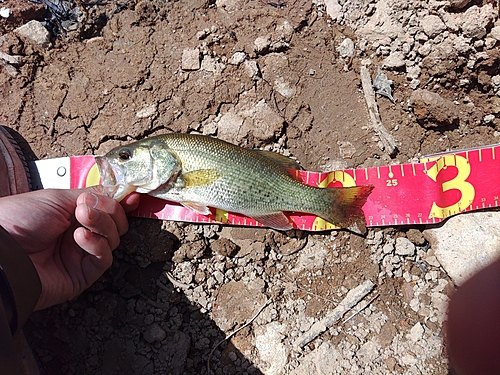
x,y
346,49
466,243
284,87
475,21
495,33
347,149
154,333
368,352
237,58
4,12
413,72
249,118
404,247
34,33
395,60
147,111
416,332
334,10
431,110
251,69
210,64
458,4
320,361
11,59
225,247
432,25
261,44
272,351
415,236
191,59
237,302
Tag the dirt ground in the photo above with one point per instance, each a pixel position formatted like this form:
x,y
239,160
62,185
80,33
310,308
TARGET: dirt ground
x,y
175,290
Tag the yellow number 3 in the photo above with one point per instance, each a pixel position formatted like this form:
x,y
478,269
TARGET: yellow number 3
x,y
466,188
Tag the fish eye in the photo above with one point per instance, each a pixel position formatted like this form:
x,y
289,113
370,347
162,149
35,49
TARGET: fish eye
x,y
124,154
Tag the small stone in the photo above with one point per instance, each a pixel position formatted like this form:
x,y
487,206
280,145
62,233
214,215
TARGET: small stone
x,y
415,236
404,247
11,59
202,34
477,20
224,247
4,12
262,44
347,149
466,244
416,332
251,69
33,32
432,25
495,33
413,72
394,61
431,110
191,59
346,49
147,111
154,333
488,119
237,58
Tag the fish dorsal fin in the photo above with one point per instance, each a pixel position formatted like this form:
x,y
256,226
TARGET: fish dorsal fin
x,y
200,177
283,161
275,220
197,207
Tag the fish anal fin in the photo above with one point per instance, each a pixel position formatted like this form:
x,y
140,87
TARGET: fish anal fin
x,y
283,161
200,177
197,207
275,220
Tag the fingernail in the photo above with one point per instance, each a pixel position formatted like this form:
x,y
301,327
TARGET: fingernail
x,y
92,200
93,213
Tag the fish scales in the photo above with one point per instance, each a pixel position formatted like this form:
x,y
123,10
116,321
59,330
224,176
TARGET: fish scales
x,y
249,181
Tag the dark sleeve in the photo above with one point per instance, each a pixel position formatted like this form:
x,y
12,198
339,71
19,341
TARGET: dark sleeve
x,y
20,289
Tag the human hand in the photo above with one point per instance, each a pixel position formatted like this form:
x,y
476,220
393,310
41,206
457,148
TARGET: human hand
x,y
69,236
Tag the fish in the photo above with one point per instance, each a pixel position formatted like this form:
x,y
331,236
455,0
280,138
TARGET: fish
x,y
200,172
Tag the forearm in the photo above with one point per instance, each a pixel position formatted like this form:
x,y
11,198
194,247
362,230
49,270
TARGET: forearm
x,y
20,289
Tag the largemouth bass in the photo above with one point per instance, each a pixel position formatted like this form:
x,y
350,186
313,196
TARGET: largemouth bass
x,y
200,172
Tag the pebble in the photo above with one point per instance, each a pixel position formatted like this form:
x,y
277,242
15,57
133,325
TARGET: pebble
x,y
33,32
404,247
346,49
262,44
237,58
432,25
465,244
154,333
191,59
147,111
251,69
4,12
394,61
432,110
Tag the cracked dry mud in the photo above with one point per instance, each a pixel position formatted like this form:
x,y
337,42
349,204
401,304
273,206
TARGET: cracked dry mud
x,y
278,76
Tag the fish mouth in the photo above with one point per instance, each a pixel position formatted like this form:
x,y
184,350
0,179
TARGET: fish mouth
x,y
113,179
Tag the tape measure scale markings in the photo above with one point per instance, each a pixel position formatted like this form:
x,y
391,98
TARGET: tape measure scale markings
x,y
439,186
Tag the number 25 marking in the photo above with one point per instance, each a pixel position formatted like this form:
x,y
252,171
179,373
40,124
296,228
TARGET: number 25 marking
x,y
458,182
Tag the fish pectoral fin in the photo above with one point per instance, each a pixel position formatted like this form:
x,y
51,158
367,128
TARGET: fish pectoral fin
x,y
275,220
200,177
197,207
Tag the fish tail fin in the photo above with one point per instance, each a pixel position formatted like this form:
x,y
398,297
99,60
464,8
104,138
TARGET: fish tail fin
x,y
345,207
